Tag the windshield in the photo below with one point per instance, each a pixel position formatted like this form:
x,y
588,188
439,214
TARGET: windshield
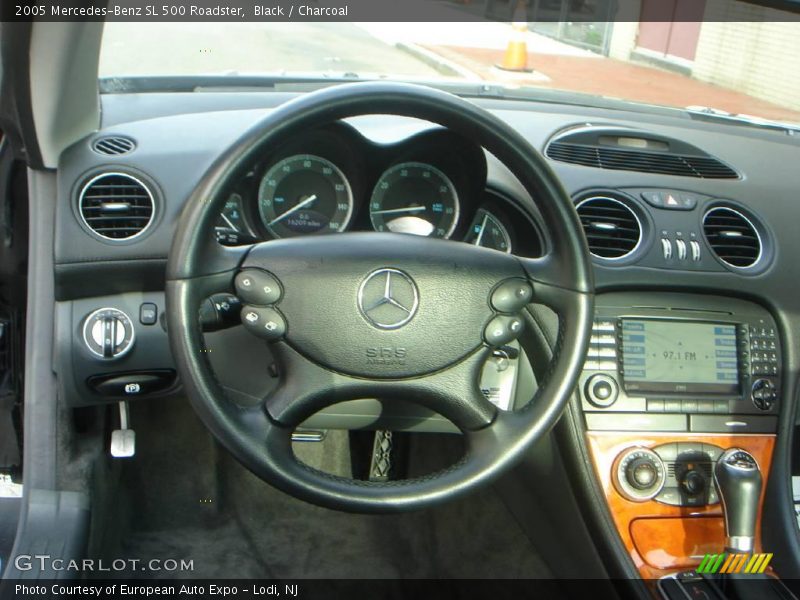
x,y
743,68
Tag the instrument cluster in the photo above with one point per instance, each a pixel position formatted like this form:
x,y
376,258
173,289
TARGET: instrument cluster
x,y
333,179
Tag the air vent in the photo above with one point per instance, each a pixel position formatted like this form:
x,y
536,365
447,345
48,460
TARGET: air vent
x,y
732,237
629,150
116,206
612,229
113,145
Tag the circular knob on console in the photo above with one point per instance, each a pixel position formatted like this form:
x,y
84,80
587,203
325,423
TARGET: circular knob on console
x,y
601,390
639,474
693,483
108,333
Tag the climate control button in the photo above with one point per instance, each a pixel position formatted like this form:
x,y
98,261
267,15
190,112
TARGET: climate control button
x,y
639,474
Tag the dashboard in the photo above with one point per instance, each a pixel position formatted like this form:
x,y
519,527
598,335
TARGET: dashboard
x,y
691,226
666,203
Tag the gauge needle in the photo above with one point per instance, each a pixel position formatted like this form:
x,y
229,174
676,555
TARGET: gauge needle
x,y
294,209
390,211
483,228
229,222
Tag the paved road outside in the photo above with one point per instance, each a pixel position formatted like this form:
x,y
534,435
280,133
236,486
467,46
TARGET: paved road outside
x,y
615,79
467,50
245,48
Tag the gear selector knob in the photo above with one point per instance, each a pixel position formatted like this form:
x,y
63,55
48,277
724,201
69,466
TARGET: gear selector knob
x,y
738,480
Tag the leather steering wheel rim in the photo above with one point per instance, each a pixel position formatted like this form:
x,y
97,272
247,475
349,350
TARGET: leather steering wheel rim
x,y
260,437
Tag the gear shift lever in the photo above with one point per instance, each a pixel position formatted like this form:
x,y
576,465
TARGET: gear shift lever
x,y
738,480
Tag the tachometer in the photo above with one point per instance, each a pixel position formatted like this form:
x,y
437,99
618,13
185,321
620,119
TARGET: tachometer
x,y
489,232
416,198
304,194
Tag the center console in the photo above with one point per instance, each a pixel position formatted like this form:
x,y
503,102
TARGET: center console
x,y
672,381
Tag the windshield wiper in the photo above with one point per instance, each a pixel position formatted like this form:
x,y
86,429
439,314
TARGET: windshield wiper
x,y
716,114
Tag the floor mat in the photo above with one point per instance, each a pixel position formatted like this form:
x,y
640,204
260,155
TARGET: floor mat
x,y
183,497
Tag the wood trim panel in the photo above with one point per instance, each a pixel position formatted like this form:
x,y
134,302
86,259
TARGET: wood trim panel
x,y
661,538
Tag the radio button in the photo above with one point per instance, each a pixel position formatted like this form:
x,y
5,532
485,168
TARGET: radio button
x,y
705,406
673,405
601,390
721,407
655,406
689,406
604,326
764,394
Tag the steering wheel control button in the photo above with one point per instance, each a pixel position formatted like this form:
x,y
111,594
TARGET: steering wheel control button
x,y
108,333
503,329
388,298
258,287
601,390
148,313
266,323
512,296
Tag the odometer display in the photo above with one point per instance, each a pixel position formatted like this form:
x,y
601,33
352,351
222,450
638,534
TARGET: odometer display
x,y
414,198
304,194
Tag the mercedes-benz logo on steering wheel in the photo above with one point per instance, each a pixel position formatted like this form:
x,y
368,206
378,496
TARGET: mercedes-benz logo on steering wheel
x,y
388,298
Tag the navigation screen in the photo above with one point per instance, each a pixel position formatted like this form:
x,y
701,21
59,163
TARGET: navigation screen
x,y
679,356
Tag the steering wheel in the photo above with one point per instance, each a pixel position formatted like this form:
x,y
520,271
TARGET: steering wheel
x,y
378,315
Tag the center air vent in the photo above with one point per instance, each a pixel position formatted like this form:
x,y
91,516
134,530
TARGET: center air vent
x,y
116,206
732,236
630,150
612,229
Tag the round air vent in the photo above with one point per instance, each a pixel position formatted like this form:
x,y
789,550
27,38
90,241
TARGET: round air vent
x,y
612,229
113,145
732,237
116,206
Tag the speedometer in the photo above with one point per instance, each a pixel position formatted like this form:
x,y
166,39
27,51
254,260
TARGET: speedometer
x,y
416,198
489,232
304,194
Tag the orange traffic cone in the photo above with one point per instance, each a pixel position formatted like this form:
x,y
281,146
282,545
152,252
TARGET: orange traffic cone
x,y
516,56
